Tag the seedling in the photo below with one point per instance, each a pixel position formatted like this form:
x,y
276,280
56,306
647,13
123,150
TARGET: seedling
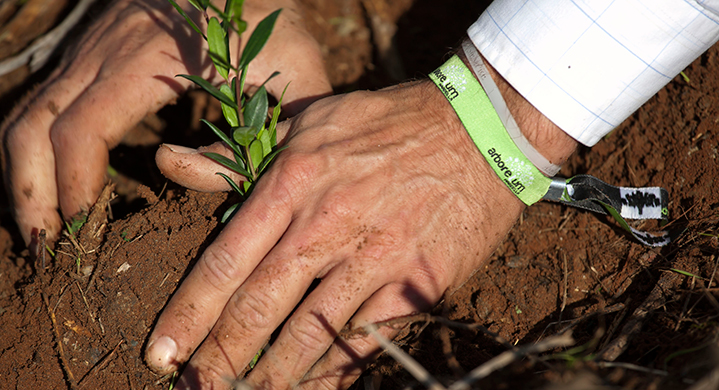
x,y
253,142
72,228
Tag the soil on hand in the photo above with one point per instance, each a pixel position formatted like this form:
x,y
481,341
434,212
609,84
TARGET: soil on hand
x,y
642,318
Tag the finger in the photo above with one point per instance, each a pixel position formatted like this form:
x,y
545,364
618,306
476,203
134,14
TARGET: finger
x,y
28,159
93,124
254,312
191,169
310,331
347,357
222,268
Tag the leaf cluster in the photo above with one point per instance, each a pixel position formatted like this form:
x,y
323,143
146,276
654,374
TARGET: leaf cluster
x,y
253,142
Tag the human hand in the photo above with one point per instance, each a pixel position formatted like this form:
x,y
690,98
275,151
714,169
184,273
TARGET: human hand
x,y
56,142
381,196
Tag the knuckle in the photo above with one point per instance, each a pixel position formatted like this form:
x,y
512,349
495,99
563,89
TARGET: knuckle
x,y
326,382
338,205
298,168
309,332
297,171
218,266
252,311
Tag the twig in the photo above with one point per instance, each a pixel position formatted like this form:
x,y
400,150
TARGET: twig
x,y
615,324
578,320
505,358
39,52
41,247
409,364
96,268
633,367
447,348
58,342
100,365
636,321
564,296
498,362
710,297
84,299
427,318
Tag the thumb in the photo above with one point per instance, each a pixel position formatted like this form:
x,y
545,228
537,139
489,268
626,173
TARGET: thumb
x,y
191,169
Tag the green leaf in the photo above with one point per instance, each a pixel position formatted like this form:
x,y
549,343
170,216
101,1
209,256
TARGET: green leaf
x,y
210,89
230,113
258,38
272,76
241,26
218,11
244,135
256,154
268,159
256,109
230,212
222,62
231,182
221,134
187,18
227,163
275,117
234,8
247,186
200,5
236,12
264,136
76,223
219,49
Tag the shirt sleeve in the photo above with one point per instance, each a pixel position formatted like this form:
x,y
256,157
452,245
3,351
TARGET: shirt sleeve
x,y
588,65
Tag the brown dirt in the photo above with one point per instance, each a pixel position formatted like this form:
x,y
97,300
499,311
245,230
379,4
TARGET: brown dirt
x,y
560,267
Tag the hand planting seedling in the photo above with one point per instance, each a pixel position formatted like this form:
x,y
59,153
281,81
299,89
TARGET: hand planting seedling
x,y
252,142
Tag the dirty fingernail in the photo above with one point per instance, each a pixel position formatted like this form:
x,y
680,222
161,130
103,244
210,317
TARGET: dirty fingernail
x,y
180,149
162,353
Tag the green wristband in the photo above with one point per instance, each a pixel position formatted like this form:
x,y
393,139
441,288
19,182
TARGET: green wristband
x,y
484,126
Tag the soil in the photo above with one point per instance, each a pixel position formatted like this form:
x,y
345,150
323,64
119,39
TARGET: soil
x,y
637,322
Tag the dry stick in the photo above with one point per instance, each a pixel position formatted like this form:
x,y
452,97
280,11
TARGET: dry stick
x,y
574,322
498,362
100,365
564,296
405,360
615,325
447,348
636,321
448,352
578,320
427,318
58,342
51,313
84,299
39,52
41,248
634,367
505,358
710,297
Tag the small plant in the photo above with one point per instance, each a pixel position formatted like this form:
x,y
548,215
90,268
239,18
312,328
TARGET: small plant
x,y
253,143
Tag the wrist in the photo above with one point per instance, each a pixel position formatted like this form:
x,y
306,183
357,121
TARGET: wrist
x,y
546,137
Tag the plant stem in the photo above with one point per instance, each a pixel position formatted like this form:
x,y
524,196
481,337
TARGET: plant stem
x,y
250,164
240,88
